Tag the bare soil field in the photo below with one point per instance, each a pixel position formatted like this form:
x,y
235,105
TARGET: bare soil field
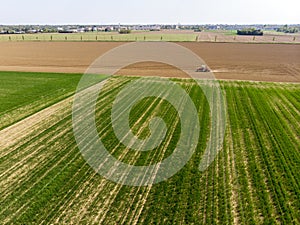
x,y
236,61
69,57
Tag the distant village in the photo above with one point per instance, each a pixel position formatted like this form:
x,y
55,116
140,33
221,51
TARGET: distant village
x,y
28,29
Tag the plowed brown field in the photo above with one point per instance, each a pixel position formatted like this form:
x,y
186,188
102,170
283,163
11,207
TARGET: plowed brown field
x,y
258,62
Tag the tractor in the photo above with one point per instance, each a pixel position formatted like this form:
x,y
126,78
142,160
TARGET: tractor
x,y
203,68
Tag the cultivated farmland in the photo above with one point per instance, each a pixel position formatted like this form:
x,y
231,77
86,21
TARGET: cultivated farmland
x,y
254,179
164,35
23,94
258,62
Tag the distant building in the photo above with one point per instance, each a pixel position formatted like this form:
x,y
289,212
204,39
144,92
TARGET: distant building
x,y
72,30
32,31
80,30
122,28
155,28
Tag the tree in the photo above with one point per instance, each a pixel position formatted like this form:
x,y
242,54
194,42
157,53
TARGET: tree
x,y
250,31
124,31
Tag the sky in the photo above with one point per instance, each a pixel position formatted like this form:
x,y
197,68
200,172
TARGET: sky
x,y
150,12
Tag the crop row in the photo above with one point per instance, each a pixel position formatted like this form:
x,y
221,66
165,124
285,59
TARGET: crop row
x,y
253,180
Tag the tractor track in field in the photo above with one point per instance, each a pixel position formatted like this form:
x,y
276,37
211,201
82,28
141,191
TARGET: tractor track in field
x,y
18,131
23,131
136,208
85,207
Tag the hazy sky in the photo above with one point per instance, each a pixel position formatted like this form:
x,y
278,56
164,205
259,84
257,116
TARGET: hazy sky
x,y
149,11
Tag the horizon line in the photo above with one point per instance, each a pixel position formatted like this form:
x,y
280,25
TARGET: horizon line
x,y
143,24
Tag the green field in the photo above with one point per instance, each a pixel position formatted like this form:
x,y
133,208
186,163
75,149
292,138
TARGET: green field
x,y
207,36
225,32
254,179
101,36
22,94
